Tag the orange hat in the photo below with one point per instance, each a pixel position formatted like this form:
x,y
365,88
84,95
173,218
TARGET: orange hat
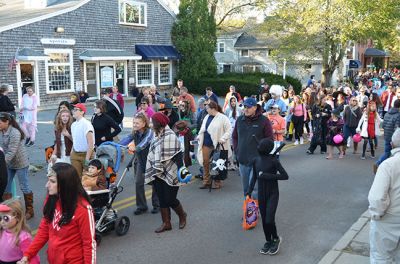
x,y
4,208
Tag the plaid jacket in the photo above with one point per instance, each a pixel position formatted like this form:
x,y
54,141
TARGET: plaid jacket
x,y
161,160
14,149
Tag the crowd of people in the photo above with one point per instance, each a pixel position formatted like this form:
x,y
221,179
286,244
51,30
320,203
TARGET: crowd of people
x,y
165,133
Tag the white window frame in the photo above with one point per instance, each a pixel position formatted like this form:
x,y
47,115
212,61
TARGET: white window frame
x,y
140,5
70,64
219,46
152,73
248,53
170,72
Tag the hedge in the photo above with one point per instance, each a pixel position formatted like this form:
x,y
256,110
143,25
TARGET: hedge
x,y
246,83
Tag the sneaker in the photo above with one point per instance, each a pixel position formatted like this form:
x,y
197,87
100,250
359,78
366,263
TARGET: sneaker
x,y
372,156
296,142
266,248
301,141
363,157
309,152
274,249
323,152
30,143
155,210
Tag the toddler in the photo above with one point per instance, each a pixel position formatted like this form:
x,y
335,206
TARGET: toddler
x,y
94,179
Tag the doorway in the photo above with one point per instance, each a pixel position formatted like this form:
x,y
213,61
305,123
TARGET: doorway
x,y
27,75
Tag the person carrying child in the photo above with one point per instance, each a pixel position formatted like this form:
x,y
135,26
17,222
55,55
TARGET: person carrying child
x,y
15,235
268,170
368,127
94,179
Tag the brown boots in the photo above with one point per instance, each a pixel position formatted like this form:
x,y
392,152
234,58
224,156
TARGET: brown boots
x,y
29,213
182,216
166,218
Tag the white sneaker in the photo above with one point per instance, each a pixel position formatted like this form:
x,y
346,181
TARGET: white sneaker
x,y
296,142
301,141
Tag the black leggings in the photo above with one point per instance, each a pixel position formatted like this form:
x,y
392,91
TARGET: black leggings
x,y
298,122
166,194
371,145
268,198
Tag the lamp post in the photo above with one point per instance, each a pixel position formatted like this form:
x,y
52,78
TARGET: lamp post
x,y
284,69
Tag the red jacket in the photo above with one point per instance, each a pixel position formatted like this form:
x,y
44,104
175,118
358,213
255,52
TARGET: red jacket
x,y
71,243
385,97
119,99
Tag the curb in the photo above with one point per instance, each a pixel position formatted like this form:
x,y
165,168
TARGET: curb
x,y
340,246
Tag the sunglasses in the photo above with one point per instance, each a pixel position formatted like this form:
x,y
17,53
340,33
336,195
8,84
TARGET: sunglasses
x,y
143,103
6,218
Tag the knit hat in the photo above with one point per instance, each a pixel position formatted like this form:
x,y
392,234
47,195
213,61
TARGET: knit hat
x,y
161,118
265,146
82,107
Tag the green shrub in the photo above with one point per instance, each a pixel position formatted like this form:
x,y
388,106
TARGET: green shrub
x,y
246,83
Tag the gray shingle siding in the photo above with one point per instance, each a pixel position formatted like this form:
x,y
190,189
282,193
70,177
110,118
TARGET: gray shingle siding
x,y
94,25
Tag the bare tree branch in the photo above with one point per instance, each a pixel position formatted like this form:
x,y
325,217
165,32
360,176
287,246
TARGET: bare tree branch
x,y
234,10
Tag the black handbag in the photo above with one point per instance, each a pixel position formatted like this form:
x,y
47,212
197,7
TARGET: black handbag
x,y
219,163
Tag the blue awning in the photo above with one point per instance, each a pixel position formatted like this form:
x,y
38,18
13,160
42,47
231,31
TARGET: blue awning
x,y
157,52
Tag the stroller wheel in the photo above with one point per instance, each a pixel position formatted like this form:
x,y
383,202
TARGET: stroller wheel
x,y
122,225
98,238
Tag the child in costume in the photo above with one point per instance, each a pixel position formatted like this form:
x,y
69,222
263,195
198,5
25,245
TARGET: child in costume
x,y
94,179
268,170
15,236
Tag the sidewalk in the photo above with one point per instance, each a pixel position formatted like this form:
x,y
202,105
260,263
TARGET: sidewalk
x,y
353,247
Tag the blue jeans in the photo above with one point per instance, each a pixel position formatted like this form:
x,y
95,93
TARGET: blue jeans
x,y
348,132
246,173
23,180
386,153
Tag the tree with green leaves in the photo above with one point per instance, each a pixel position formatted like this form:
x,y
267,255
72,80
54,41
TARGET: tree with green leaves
x,y
194,36
323,29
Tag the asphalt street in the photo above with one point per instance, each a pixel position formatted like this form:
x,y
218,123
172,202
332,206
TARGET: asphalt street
x,y
319,202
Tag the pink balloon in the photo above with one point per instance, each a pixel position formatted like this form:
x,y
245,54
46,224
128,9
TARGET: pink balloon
x,y
338,139
357,138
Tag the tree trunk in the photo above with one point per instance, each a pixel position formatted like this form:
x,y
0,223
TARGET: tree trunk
x,y
327,74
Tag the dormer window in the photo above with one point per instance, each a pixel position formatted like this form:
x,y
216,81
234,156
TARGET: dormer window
x,y
132,13
221,47
244,53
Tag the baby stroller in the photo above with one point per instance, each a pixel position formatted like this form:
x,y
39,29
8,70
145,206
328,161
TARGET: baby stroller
x,y
110,155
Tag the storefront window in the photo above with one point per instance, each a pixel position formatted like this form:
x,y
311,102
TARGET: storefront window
x,y
164,72
144,73
132,13
59,70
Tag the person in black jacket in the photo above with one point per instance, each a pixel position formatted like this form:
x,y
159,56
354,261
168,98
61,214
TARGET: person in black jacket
x,y
102,124
169,111
5,103
3,174
114,110
268,170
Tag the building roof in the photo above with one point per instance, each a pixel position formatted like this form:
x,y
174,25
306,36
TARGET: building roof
x,y
13,14
372,52
254,41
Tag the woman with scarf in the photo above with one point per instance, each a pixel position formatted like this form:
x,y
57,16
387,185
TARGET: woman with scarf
x,y
63,141
163,161
351,116
28,114
232,112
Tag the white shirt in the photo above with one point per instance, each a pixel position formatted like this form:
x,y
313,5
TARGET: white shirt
x,y
387,106
79,130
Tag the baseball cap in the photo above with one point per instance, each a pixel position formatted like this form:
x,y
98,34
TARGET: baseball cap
x,y
4,208
250,102
82,107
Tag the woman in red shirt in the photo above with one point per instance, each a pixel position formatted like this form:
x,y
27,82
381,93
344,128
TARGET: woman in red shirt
x,y
68,223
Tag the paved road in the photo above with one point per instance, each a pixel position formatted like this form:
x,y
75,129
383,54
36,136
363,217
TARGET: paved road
x,y
318,203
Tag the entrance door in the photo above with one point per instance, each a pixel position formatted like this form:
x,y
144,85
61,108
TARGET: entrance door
x,y
120,76
91,80
27,75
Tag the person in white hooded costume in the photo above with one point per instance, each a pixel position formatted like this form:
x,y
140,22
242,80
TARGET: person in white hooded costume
x,y
384,207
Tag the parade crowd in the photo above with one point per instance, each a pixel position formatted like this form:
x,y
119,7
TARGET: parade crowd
x,y
174,131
